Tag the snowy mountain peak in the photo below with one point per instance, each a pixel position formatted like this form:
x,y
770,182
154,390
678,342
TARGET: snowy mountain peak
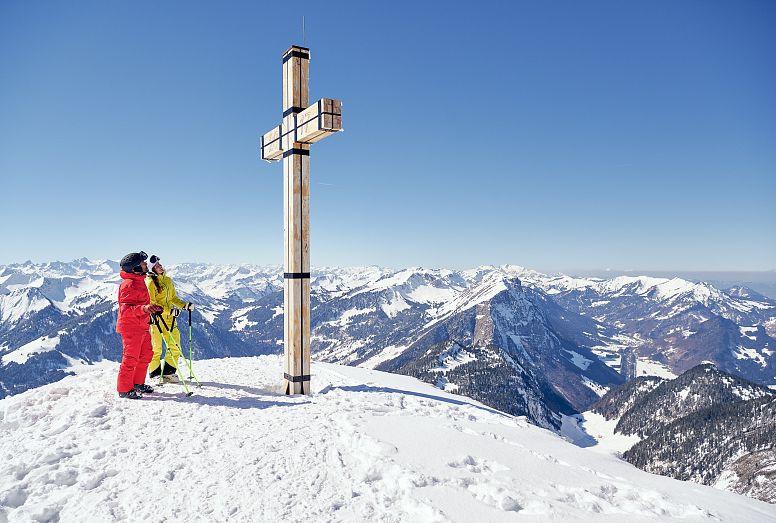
x,y
22,303
366,446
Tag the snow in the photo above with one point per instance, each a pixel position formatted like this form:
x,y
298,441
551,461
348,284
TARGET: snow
x,y
346,316
602,430
210,313
400,279
595,387
23,353
444,384
640,284
241,323
388,353
240,319
647,367
366,446
492,285
431,294
743,353
746,332
684,393
579,360
77,295
395,306
341,280
672,288
452,358
20,303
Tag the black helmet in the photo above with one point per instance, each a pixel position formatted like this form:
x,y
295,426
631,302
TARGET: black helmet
x,y
131,262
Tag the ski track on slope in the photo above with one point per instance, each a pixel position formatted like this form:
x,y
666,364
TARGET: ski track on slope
x,y
367,446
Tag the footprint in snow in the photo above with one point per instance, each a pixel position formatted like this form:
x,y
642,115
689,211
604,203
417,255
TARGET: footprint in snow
x,y
99,412
14,497
66,478
19,471
47,514
477,465
97,480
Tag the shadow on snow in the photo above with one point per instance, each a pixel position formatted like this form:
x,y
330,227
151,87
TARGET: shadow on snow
x,y
257,400
369,388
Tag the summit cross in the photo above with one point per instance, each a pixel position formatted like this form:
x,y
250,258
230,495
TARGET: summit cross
x,y
301,126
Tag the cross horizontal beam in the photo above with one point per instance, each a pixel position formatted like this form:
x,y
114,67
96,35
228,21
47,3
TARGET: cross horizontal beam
x,y
308,126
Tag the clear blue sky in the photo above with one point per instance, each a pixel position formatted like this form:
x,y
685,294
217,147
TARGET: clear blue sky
x,y
555,135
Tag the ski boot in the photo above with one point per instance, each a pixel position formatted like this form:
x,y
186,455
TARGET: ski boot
x,y
132,395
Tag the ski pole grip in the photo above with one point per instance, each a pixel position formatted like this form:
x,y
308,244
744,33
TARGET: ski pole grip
x,y
189,317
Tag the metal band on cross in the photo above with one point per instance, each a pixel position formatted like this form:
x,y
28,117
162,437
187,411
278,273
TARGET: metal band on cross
x,y
302,125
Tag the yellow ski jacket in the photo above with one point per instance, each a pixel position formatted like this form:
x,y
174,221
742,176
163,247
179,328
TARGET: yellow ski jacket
x,y
165,297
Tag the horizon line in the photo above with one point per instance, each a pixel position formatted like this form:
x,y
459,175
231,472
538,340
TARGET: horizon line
x,y
562,271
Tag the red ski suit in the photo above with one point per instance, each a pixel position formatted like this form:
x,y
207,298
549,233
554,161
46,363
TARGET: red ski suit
x,y
133,326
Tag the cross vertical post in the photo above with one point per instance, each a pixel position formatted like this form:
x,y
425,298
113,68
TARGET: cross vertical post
x,y
300,127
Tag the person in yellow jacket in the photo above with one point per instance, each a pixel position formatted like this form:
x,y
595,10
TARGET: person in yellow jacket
x,y
162,293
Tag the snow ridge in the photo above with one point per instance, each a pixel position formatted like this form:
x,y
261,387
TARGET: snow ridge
x,y
366,446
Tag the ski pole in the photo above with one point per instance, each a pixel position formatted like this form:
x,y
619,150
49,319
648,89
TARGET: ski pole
x,y
162,354
177,312
177,369
174,311
190,367
168,341
189,338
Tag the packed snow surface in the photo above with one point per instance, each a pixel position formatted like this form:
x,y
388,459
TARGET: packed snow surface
x,y
366,446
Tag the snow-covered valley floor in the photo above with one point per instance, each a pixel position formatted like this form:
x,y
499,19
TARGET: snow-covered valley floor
x,y
366,446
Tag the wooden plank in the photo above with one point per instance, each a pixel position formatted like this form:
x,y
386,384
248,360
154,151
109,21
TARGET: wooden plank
x,y
304,81
288,188
305,386
271,148
295,77
319,121
304,311
305,213
297,329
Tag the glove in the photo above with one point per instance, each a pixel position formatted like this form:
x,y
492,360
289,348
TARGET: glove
x,y
189,306
175,311
151,308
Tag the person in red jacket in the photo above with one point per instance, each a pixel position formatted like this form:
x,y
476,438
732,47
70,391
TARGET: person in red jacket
x,y
134,316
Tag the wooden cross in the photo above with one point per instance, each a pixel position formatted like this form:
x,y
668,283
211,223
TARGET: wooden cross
x,y
300,127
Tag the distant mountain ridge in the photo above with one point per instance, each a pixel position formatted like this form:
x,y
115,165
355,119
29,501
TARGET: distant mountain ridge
x,y
557,343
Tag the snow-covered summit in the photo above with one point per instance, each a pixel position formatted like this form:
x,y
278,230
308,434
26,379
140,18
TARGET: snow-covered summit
x,y
366,446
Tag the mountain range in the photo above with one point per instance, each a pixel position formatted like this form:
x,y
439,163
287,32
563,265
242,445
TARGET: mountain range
x,y
521,341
